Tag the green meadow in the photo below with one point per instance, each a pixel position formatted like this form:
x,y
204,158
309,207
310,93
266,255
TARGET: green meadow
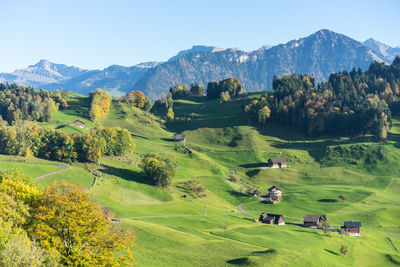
x,y
174,229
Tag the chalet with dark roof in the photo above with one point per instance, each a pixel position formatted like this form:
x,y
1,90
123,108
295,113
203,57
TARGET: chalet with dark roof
x,y
352,228
277,163
270,218
313,220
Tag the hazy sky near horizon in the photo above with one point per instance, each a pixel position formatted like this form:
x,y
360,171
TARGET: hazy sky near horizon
x,y
94,34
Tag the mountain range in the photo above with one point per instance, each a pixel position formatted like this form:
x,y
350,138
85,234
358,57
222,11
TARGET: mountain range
x,y
385,50
320,53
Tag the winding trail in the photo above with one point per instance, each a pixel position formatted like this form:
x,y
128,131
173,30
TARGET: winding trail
x,y
241,210
240,207
63,168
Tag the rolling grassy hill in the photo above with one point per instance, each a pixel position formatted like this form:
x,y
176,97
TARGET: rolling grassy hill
x,y
172,230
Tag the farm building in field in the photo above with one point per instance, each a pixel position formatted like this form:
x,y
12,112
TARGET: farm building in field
x,y
180,138
274,195
311,220
275,191
277,163
269,218
352,228
78,123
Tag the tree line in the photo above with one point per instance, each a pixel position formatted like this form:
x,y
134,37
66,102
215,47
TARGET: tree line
x,y
25,103
354,102
223,89
59,225
136,99
28,139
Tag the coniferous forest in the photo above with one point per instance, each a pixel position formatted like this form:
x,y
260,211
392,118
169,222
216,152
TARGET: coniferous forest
x,y
352,102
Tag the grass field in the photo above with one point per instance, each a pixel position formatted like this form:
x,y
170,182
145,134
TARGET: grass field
x,y
172,230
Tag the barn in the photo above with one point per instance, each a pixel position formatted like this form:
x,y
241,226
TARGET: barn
x,y
78,123
270,218
352,228
277,163
313,220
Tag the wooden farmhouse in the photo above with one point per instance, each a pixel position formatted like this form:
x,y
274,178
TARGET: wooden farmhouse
x,y
277,163
180,138
269,218
78,123
352,228
311,220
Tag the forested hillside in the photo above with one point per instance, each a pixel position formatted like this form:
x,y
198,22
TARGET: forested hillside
x,y
25,103
352,102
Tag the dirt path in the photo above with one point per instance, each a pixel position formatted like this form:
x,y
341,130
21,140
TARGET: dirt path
x,y
240,207
63,168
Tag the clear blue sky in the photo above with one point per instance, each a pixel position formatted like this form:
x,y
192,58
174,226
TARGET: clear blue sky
x,y
95,33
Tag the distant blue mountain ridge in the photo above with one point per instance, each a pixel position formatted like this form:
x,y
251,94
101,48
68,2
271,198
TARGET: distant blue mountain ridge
x,y
320,54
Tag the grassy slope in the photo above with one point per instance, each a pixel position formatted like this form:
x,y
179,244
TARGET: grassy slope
x,y
138,122
77,110
221,139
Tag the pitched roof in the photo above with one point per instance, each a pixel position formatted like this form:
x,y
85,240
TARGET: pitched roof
x,y
270,216
278,160
78,122
273,187
312,217
352,224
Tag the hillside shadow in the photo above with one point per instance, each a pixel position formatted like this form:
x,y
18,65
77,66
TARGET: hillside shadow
x,y
237,194
253,172
129,175
140,136
328,200
254,165
395,138
235,141
239,261
60,126
79,107
332,252
393,259
282,132
263,252
169,140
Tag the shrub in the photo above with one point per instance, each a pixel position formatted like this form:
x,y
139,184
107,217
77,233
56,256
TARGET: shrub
x,y
344,250
158,170
193,188
233,178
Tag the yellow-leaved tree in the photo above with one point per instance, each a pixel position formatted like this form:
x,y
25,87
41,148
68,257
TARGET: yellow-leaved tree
x,y
17,193
67,220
